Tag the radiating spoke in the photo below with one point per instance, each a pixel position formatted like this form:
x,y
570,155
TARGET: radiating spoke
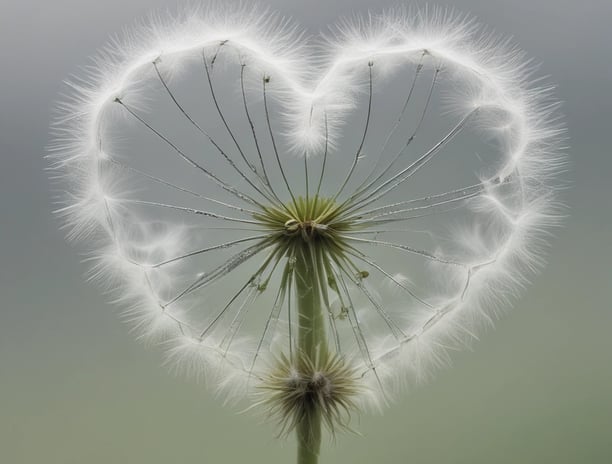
x,y
233,137
323,164
249,283
192,211
221,313
187,159
274,314
161,181
399,119
238,319
407,172
272,258
362,257
388,231
247,112
265,80
202,131
360,338
406,248
221,246
222,270
323,274
368,182
396,330
395,219
363,137
421,203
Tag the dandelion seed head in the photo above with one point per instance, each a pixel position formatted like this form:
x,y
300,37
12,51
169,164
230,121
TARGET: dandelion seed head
x,y
399,171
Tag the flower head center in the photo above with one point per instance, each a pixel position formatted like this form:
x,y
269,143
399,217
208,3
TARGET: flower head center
x,y
313,219
309,230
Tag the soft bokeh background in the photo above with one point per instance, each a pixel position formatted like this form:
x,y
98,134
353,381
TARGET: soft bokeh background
x,y
75,387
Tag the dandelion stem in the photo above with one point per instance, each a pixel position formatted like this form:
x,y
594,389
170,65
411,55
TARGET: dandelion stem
x,y
312,343
307,453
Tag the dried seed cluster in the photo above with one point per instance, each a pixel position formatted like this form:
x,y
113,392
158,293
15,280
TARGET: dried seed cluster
x,y
303,390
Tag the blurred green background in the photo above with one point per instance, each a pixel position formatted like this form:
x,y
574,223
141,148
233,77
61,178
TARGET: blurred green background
x,y
75,387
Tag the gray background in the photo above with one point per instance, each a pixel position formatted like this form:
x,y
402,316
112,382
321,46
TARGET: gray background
x,y
76,388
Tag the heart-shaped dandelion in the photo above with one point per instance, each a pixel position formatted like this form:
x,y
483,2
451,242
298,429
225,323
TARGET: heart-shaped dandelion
x,y
309,221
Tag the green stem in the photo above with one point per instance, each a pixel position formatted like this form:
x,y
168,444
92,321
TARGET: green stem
x,y
312,343
309,440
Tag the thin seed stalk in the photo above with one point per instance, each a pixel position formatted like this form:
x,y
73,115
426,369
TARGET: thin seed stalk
x,y
312,343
